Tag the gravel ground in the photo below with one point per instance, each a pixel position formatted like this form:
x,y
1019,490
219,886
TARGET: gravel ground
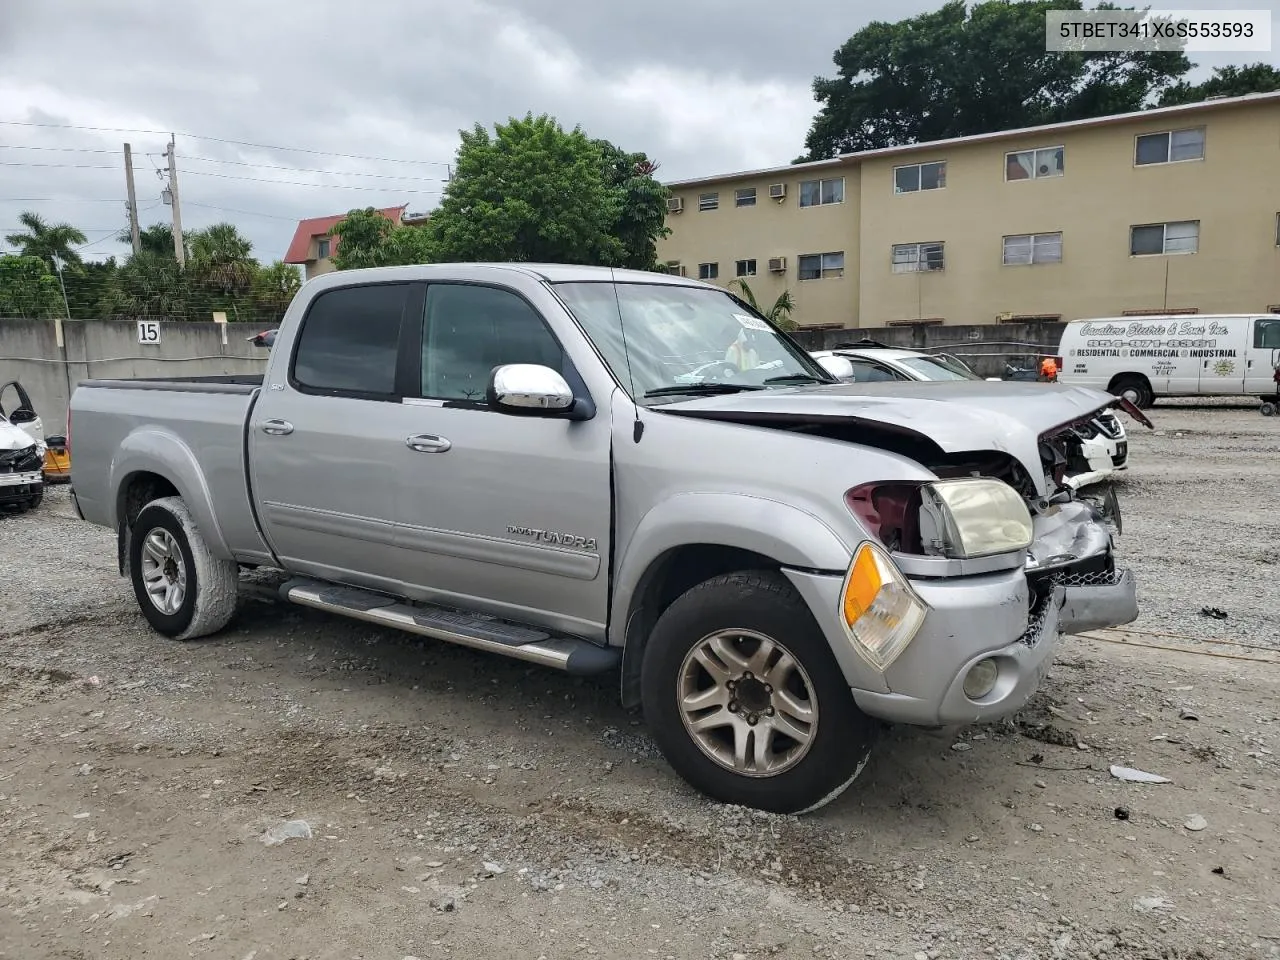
x,y
461,805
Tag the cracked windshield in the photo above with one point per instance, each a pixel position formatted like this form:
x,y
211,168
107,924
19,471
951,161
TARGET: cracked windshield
x,y
666,340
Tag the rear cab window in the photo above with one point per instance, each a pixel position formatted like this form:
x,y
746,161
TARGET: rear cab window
x,y
349,342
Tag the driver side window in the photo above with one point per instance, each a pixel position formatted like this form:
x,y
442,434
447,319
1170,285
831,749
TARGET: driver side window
x,y
469,329
1266,334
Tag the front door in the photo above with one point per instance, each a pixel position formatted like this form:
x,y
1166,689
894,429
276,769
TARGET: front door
x,y
1263,356
502,513
322,438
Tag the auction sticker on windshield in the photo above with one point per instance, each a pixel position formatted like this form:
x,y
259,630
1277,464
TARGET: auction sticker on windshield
x,y
751,323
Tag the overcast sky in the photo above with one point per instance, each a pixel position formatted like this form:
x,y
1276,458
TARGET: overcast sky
x,y
703,86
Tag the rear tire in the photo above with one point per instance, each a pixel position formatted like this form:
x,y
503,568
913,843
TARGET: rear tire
x,y
1135,389
708,683
1268,409
183,590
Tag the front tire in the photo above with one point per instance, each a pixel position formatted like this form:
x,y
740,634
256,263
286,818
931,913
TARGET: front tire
x,y
746,700
1134,389
183,590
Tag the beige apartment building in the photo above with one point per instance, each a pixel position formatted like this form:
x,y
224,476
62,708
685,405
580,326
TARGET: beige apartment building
x,y
1171,209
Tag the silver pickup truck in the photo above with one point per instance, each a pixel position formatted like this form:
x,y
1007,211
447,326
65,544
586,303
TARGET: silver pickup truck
x,y
602,470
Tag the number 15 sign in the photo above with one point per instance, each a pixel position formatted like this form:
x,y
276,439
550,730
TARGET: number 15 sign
x,y
148,331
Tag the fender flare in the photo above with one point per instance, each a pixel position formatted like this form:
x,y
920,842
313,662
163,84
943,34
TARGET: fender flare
x,y
154,450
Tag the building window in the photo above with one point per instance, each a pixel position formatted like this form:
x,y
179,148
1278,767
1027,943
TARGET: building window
x,y
917,257
322,248
1162,312
816,193
709,201
708,271
1032,318
745,197
1032,248
820,266
1036,164
1154,239
1169,146
746,268
920,176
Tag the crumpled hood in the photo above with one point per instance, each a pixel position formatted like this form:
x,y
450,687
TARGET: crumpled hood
x,y
14,438
958,416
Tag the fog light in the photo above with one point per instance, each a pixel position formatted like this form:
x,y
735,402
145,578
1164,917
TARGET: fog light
x,y
981,679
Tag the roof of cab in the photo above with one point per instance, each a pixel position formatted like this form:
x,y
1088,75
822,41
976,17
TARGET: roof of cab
x,y
547,272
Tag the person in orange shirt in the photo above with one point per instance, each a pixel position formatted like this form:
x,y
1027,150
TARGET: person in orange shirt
x,y
1049,369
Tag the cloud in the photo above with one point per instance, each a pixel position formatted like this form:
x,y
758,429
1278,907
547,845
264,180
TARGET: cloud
x,y
703,87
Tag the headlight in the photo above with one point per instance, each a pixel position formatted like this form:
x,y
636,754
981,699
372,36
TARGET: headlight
x,y
880,611
975,517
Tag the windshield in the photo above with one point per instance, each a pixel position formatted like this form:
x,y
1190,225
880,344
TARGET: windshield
x,y
677,339
938,368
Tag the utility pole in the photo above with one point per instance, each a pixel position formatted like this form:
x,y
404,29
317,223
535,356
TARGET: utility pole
x,y
179,248
133,199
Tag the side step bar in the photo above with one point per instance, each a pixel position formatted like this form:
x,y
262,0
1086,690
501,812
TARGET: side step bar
x,y
570,654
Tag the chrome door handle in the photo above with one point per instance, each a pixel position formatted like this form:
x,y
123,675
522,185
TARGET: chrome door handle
x,y
277,428
426,443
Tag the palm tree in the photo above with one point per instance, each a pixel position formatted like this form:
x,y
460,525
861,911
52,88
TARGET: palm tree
x,y
220,257
47,241
779,313
157,239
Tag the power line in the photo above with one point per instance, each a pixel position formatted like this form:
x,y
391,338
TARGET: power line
x,y
299,183
229,176
247,213
61,200
23,146
196,136
339,173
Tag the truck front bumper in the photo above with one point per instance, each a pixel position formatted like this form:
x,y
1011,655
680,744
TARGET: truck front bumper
x,y
971,620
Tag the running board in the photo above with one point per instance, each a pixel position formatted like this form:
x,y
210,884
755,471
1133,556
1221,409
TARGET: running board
x,y
570,654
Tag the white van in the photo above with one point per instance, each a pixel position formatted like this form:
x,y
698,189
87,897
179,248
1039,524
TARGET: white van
x,y
1142,358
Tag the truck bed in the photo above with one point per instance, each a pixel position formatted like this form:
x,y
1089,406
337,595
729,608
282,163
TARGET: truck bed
x,y
121,430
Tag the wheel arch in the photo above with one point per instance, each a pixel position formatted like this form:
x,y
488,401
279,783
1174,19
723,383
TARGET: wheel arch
x,y
691,538
152,463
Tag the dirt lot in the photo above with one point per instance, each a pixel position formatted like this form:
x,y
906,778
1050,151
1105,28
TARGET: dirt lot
x,y
466,806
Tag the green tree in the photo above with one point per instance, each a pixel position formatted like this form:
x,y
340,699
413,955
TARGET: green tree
x,y
363,234
642,209
46,240
960,71
779,312
28,288
274,287
86,285
1230,81
150,285
156,239
221,259
531,192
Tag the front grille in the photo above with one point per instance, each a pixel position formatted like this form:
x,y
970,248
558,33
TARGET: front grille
x,y
1109,425
1042,593
1094,578
20,461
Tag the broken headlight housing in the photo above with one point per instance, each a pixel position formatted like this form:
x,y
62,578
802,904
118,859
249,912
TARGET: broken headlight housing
x,y
973,517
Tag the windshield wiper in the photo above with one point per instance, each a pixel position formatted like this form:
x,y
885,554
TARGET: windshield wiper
x,y
717,387
796,378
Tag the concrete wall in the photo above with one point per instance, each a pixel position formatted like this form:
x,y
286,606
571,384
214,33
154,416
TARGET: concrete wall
x,y
985,347
98,349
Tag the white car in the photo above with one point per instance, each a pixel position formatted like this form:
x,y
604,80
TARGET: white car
x,y
1104,445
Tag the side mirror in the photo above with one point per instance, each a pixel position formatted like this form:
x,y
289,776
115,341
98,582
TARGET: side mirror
x,y
528,388
838,367
22,415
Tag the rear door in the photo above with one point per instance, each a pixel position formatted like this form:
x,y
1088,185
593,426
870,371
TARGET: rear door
x,y
1262,356
326,432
